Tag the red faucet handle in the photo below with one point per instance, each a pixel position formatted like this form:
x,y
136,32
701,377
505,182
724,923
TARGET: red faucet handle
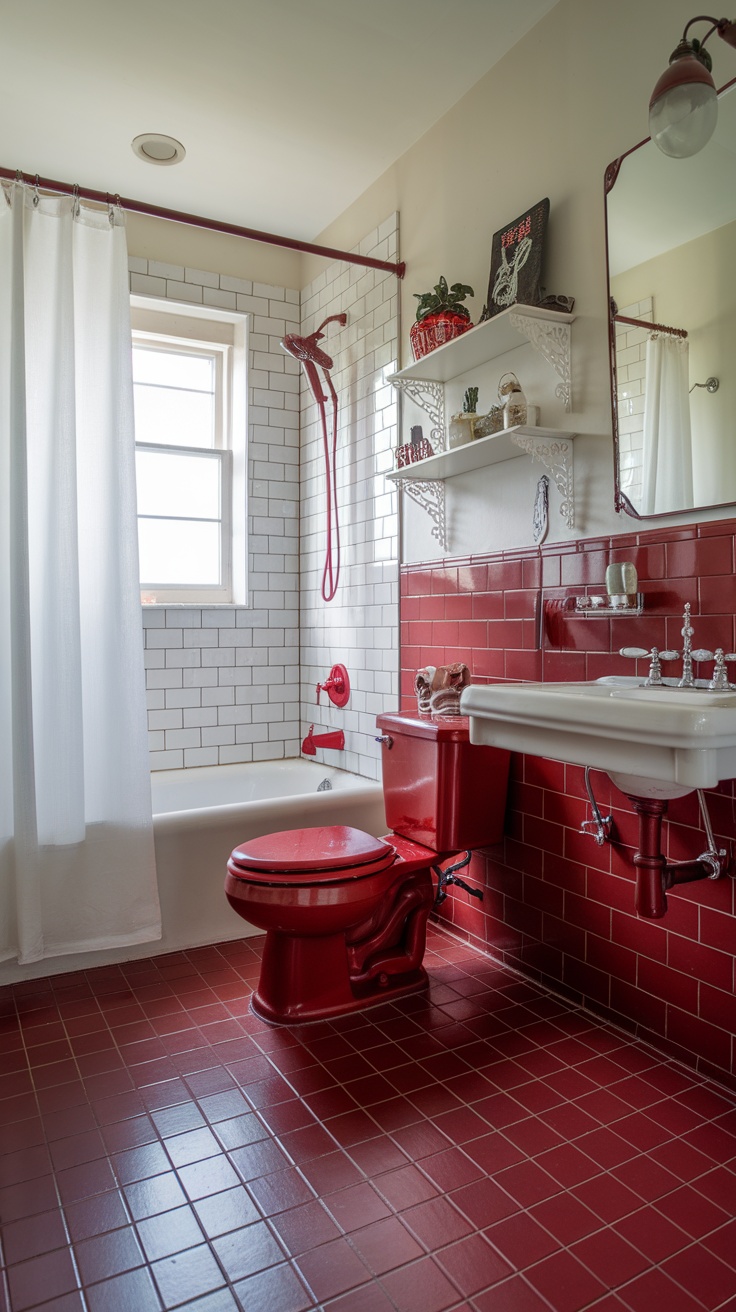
x,y
336,685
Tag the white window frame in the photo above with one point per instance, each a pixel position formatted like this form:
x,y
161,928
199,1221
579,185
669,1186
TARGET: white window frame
x,y
178,326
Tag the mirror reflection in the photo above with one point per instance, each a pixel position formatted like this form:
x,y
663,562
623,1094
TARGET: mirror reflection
x,y
672,283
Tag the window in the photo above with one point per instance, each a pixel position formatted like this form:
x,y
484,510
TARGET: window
x,y
190,465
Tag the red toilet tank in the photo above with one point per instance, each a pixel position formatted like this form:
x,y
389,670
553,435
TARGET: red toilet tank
x,y
439,788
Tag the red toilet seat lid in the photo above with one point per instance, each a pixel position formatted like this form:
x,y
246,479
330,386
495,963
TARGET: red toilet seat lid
x,y
323,852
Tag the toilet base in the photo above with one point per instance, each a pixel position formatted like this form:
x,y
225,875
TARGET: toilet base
x,y
287,995
312,977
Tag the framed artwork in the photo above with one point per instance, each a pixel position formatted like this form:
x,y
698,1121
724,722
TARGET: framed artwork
x,y
516,261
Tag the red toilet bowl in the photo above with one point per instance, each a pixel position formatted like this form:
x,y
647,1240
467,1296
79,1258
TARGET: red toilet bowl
x,y
344,913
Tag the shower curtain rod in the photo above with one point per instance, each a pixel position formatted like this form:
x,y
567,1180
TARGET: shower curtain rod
x,y
655,327
198,221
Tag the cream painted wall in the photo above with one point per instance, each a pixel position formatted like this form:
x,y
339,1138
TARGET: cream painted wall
x,y
546,121
214,252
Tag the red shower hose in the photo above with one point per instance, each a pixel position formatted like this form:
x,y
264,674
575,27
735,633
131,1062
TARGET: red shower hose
x,y
330,573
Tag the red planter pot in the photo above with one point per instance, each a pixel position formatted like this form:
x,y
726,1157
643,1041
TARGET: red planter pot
x,y
435,330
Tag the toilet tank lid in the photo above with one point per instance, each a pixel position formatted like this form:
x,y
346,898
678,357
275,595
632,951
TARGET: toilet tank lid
x,y
440,728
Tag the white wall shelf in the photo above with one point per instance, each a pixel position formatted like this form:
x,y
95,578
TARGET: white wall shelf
x,y
548,445
424,383
547,330
509,444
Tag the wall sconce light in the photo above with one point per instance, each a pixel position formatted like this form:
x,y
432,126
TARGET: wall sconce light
x,y
684,105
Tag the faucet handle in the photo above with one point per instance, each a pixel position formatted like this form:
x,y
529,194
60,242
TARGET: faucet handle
x,y
701,654
655,656
719,682
640,652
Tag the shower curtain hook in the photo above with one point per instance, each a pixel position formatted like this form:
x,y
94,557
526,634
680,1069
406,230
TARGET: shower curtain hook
x,y
36,196
75,201
112,206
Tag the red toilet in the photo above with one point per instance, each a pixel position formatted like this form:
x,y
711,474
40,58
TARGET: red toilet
x,y
345,914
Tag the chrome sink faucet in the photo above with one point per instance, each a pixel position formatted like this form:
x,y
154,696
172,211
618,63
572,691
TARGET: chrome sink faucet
x,y
719,681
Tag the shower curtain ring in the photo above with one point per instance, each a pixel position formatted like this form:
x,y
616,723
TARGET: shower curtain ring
x,y
36,196
75,201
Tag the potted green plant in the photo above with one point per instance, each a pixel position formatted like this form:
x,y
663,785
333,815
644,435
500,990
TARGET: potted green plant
x,y
441,316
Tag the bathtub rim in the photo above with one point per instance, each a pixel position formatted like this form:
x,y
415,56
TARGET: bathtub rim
x,y
210,816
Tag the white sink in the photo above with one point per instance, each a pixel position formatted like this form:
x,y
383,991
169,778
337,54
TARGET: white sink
x,y
653,742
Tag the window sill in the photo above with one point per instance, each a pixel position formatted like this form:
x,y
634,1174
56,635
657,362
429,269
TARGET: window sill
x,y
196,605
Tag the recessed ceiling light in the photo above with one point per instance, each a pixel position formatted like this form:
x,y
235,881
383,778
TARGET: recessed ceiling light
x,y
155,148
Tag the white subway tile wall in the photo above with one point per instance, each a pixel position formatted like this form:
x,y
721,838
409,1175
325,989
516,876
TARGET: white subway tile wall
x,y
631,348
359,627
223,682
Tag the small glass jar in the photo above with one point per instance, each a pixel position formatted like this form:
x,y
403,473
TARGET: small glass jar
x,y
461,430
513,400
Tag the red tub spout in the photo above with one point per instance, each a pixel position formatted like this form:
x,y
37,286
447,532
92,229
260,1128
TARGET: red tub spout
x,y
335,739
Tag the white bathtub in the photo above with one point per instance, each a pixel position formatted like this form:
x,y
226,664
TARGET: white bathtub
x,y
201,814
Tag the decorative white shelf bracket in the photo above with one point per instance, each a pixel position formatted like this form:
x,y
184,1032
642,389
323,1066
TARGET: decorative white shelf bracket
x,y
430,397
557,458
552,340
430,495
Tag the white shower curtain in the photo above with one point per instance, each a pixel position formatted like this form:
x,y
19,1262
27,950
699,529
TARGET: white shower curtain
x,y
77,867
668,455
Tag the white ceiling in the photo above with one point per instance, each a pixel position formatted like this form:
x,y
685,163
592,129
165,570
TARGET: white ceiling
x,y
288,109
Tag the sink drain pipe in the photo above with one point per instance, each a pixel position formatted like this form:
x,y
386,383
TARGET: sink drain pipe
x,y
654,874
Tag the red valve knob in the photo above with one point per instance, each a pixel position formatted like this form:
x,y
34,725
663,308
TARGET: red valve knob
x,y
336,685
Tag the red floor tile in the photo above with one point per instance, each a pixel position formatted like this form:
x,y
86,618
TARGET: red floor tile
x,y
483,1146
332,1268
655,1292
385,1245
653,1234
244,1252
565,1282
521,1240
473,1264
278,1287
610,1258
436,1222
421,1287
703,1275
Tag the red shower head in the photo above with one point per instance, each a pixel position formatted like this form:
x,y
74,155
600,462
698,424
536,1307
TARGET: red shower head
x,y
306,349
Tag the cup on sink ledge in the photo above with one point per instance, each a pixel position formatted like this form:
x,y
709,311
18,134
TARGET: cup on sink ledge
x,y
621,584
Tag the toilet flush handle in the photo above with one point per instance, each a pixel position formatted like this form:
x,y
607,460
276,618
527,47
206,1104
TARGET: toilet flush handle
x,y
386,740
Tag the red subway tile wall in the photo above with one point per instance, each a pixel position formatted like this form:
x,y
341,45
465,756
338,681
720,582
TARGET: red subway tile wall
x,y
556,905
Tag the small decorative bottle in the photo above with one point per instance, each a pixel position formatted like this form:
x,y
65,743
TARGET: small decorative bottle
x,y
514,402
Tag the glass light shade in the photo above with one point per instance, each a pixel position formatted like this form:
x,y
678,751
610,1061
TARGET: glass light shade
x,y
684,108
